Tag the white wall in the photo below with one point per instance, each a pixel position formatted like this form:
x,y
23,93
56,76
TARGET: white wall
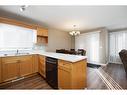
x,y
58,40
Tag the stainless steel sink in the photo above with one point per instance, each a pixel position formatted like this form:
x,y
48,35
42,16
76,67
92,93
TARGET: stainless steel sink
x,y
22,53
16,54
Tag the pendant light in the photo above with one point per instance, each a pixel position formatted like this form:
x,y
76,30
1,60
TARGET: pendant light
x,y
23,8
74,32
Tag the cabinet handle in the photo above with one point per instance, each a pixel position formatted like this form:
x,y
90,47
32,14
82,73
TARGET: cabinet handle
x,y
11,62
64,69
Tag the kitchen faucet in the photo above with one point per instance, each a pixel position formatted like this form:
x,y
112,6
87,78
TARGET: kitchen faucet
x,y
17,51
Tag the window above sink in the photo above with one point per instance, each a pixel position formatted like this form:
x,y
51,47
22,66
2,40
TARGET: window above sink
x,y
15,37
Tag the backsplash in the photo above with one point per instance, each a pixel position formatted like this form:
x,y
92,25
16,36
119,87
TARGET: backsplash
x,y
14,51
39,47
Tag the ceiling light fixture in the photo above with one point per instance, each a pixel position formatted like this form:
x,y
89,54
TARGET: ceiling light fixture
x,y
23,8
74,32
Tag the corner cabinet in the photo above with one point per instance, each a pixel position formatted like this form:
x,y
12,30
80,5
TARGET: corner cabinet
x,y
71,75
42,66
42,35
35,63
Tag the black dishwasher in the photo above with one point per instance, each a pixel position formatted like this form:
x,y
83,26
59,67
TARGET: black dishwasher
x,y
51,72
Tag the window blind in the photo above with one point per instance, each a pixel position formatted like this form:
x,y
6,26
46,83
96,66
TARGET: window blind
x,y
15,37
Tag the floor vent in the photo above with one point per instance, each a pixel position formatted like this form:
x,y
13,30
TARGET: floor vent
x,y
108,80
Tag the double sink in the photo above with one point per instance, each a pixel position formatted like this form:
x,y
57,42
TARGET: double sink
x,y
15,54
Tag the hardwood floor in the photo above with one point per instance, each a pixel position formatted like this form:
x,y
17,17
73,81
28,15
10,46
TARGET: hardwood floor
x,y
117,72
33,82
93,80
111,76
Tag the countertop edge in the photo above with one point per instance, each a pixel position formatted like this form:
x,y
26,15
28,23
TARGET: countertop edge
x,y
65,57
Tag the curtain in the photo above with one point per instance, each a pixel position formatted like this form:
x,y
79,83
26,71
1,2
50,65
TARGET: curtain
x,y
117,42
90,42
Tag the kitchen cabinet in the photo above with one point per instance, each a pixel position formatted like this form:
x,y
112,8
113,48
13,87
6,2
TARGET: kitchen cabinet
x,y
64,75
64,78
26,65
10,68
41,66
42,32
42,35
16,66
71,75
42,40
35,63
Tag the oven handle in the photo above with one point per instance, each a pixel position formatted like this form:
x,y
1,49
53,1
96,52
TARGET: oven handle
x,y
50,62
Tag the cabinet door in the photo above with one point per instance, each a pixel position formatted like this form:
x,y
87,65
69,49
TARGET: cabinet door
x,y
10,69
42,40
41,66
42,32
26,65
39,32
45,32
64,78
35,63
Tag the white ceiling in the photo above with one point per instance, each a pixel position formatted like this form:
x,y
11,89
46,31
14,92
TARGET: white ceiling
x,y
64,17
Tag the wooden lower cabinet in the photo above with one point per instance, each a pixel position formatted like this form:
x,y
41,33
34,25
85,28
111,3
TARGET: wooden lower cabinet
x,y
16,67
41,66
26,65
10,68
71,75
64,78
35,63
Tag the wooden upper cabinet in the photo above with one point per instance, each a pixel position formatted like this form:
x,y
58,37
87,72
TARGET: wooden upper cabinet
x,y
42,35
42,32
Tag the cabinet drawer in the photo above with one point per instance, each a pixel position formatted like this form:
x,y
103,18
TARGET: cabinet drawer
x,y
64,69
15,59
64,64
25,58
10,60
